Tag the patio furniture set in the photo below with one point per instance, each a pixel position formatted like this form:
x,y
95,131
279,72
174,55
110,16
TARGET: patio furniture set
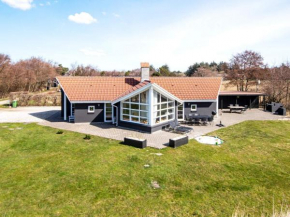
x,y
237,108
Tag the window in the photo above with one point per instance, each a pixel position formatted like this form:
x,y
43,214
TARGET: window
x,y
91,109
180,112
193,107
109,112
136,109
163,108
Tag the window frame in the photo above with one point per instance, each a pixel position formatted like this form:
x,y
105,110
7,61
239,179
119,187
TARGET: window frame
x,y
131,110
89,110
158,107
178,110
105,112
193,110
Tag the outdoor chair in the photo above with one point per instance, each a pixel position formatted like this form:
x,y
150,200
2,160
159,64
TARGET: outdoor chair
x,y
244,109
204,121
189,119
197,121
210,120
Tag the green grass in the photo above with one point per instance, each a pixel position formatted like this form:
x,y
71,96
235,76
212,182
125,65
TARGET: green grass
x,y
4,106
47,174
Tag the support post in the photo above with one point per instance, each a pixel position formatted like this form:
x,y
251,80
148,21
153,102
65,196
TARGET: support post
x,y
64,108
151,98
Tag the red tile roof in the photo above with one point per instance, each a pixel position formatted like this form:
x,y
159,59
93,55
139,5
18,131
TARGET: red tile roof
x,y
190,88
110,88
132,89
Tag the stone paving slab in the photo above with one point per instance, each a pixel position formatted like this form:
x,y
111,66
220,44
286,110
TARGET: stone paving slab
x,y
158,139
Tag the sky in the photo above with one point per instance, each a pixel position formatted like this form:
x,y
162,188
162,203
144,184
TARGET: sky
x,y
119,34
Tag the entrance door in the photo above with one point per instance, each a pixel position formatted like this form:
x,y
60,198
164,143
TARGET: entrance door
x,y
180,115
108,112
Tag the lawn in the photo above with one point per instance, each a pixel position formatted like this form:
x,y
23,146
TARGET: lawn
x,y
47,174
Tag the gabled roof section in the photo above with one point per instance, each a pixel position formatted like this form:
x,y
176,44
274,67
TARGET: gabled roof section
x,y
190,88
78,88
132,89
87,89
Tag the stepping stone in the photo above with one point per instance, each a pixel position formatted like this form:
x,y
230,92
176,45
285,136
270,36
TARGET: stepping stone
x,y
155,185
11,129
146,165
4,126
158,154
19,128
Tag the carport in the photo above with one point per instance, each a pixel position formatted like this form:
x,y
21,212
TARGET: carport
x,y
251,99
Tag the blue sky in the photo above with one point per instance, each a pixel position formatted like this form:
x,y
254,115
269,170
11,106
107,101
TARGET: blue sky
x,y
113,34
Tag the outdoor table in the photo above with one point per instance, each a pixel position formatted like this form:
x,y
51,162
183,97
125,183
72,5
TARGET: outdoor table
x,y
236,108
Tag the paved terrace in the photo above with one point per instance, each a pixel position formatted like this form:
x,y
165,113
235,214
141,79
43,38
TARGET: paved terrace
x,y
50,116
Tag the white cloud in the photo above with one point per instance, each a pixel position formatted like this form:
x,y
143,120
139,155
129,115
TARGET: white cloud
x,y
208,36
41,4
48,3
91,52
116,15
19,4
83,18
104,13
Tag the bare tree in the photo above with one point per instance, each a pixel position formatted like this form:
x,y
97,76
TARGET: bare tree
x,y
25,75
81,70
5,82
205,72
245,68
277,85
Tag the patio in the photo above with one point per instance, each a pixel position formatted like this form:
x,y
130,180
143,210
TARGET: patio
x,y
158,139
50,116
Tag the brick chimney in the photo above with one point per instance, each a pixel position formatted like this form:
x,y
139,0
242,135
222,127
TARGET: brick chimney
x,y
145,72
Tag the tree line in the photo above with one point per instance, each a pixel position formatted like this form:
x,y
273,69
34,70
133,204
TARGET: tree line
x,y
32,74
244,70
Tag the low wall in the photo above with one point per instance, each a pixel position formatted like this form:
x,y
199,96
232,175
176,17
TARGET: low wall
x,y
32,99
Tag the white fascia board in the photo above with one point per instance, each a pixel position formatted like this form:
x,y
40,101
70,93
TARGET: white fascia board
x,y
63,89
166,93
220,89
130,95
201,100
87,102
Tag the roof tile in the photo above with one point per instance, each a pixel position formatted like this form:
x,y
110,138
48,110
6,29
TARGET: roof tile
x,y
111,88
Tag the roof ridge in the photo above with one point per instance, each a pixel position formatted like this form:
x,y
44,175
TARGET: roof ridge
x,y
132,89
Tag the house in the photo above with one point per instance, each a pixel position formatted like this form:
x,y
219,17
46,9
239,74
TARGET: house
x,y
144,103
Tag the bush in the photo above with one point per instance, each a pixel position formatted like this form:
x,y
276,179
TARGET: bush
x,y
87,137
59,132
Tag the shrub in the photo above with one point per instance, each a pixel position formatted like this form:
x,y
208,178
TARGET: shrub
x,y
87,137
59,132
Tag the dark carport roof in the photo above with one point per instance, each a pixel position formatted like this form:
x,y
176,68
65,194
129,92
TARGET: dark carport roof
x,y
240,93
